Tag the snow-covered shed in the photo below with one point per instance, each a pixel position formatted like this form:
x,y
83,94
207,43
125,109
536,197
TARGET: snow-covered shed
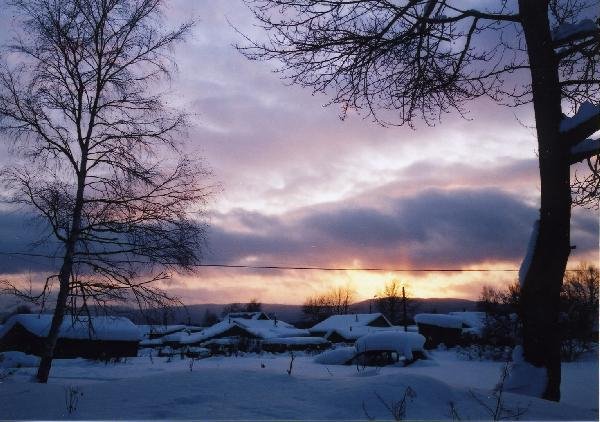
x,y
439,328
95,337
347,328
385,347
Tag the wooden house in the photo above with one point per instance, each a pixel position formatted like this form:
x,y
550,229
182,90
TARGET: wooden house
x,y
100,337
439,328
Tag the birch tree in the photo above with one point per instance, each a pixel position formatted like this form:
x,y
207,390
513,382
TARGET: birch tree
x,y
100,153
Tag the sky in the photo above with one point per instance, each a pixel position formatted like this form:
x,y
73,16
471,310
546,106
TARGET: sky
x,y
300,187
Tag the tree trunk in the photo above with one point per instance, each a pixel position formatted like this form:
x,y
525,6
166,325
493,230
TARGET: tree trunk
x,y
59,313
64,278
543,280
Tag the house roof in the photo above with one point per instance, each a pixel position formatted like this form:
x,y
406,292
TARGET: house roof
x,y
353,333
246,315
96,328
256,327
272,329
340,322
439,320
474,321
159,329
288,341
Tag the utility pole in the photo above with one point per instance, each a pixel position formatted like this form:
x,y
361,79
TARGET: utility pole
x,y
404,308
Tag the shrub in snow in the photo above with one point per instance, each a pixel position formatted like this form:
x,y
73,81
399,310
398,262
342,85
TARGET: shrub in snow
x,y
484,352
579,311
72,395
500,329
495,404
572,349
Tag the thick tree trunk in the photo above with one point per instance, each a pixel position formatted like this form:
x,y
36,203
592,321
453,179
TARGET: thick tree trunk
x,y
542,284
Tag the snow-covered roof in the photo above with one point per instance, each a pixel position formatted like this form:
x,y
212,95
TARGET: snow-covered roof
x,y
210,332
296,340
246,315
101,327
439,320
176,337
337,322
221,341
257,327
471,318
353,333
272,329
475,321
337,356
402,342
159,330
151,343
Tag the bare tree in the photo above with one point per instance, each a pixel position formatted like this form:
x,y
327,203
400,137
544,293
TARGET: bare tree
x,y
394,302
579,306
102,166
253,306
340,298
335,301
422,58
315,308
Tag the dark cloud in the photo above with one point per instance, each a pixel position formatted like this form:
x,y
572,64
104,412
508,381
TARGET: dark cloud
x,y
23,235
456,227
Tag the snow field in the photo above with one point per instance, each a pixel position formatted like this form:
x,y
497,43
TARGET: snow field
x,y
258,387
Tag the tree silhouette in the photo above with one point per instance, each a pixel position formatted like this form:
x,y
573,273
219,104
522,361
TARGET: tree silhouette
x,y
402,61
101,163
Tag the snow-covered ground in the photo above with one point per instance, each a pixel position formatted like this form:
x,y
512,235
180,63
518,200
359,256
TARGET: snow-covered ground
x,y
259,387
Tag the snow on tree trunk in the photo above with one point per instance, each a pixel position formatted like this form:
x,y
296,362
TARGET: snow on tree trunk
x,y
525,378
524,269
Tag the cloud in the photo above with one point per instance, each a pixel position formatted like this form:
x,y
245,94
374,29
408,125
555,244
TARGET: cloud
x,y
25,234
434,228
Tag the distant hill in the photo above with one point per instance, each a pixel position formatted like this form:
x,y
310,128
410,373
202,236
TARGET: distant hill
x,y
194,314
293,313
429,305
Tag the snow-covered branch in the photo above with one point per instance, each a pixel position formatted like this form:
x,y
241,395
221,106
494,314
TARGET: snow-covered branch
x,y
585,149
570,32
582,125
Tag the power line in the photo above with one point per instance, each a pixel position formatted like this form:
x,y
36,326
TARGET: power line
x,y
314,268
319,268
391,270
